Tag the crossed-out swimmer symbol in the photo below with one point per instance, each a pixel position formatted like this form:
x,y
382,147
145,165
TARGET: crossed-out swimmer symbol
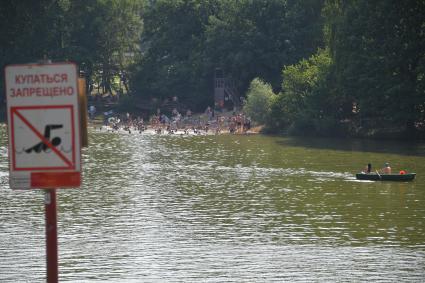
x,y
41,146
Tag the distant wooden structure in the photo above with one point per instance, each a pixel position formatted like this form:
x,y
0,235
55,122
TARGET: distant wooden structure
x,y
225,91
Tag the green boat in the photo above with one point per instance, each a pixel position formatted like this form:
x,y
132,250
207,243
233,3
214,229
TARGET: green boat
x,y
386,177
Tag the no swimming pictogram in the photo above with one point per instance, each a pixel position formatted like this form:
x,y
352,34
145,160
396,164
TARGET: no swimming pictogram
x,y
43,137
44,145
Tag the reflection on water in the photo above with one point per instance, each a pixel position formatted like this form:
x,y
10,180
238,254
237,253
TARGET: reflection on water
x,y
358,145
221,209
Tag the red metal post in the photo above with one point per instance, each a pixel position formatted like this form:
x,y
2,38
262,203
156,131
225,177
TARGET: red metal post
x,y
51,236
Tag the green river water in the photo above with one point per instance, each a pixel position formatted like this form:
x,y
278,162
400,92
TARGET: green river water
x,y
159,208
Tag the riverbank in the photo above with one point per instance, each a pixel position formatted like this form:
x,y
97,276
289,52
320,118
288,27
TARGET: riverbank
x,y
256,129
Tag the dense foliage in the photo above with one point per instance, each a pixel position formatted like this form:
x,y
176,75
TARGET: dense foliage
x,y
173,61
99,35
379,53
258,100
185,41
371,84
336,67
305,103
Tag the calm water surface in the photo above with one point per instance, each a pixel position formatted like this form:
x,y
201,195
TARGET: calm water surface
x,y
223,209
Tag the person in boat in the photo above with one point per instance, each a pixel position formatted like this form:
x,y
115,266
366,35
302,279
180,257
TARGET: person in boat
x,y
368,169
386,169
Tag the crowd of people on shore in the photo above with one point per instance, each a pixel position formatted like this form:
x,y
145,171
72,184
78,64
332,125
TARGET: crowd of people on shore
x,y
209,122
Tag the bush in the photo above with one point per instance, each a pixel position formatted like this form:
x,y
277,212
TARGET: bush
x,y
258,102
303,106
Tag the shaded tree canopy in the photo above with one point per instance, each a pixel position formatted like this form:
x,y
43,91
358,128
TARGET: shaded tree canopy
x,y
99,35
374,84
185,41
335,67
379,53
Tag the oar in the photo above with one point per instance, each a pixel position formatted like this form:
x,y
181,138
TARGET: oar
x,y
378,174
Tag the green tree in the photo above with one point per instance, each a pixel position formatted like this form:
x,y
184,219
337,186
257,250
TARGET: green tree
x,y
252,39
29,30
369,80
305,105
100,35
173,62
103,37
258,102
379,52
184,41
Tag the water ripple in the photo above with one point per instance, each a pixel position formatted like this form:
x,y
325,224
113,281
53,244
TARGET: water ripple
x,y
158,208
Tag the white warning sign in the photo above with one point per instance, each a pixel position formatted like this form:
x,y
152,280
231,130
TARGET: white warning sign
x,y
44,132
